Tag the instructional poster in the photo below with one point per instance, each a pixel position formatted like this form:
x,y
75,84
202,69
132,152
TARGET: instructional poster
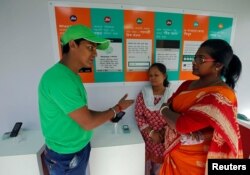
x,y
139,38
109,64
168,37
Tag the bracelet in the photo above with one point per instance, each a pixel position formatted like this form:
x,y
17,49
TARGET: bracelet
x,y
112,109
162,108
119,107
150,133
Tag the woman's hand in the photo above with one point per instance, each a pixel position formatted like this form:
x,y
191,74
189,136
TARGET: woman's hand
x,y
157,137
169,115
196,136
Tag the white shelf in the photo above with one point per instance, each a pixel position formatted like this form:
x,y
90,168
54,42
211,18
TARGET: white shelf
x,y
22,154
113,154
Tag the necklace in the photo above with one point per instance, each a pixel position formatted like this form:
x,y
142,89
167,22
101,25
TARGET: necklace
x,y
202,84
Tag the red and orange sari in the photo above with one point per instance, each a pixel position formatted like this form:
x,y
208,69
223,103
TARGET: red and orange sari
x,y
212,111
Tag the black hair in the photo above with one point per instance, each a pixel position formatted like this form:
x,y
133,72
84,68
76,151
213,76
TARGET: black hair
x,y
222,53
65,48
162,68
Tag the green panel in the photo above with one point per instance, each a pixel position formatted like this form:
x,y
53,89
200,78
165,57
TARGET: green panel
x,y
108,23
168,27
220,28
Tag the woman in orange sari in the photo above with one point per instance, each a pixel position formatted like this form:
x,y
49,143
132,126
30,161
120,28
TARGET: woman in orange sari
x,y
203,113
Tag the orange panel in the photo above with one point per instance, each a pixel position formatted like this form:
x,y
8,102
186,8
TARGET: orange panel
x,y
67,16
132,30
195,28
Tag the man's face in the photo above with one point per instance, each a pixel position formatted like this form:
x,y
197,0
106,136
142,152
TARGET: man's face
x,y
86,53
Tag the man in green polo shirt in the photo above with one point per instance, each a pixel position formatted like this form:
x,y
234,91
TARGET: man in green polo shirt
x,y
66,120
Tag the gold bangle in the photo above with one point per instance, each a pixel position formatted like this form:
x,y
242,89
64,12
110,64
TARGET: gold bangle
x,y
162,108
150,133
112,109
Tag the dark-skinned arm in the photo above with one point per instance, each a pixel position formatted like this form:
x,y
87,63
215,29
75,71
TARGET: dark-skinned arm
x,y
90,119
169,115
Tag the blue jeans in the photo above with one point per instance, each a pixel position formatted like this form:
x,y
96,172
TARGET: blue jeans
x,y
67,164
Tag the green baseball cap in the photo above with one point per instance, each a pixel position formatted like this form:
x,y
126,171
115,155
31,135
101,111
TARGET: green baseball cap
x,y
80,31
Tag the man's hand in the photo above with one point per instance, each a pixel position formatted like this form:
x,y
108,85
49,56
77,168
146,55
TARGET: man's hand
x,y
123,103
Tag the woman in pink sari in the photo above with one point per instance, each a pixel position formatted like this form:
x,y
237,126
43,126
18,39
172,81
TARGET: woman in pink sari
x,y
203,113
149,120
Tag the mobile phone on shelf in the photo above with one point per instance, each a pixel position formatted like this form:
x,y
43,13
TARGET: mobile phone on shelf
x,y
16,129
118,117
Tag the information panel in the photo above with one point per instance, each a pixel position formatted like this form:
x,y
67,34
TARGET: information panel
x,y
139,38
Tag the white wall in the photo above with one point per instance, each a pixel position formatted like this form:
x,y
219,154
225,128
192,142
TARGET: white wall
x,y
26,52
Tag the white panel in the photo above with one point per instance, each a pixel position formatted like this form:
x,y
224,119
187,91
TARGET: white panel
x,y
21,155
116,153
